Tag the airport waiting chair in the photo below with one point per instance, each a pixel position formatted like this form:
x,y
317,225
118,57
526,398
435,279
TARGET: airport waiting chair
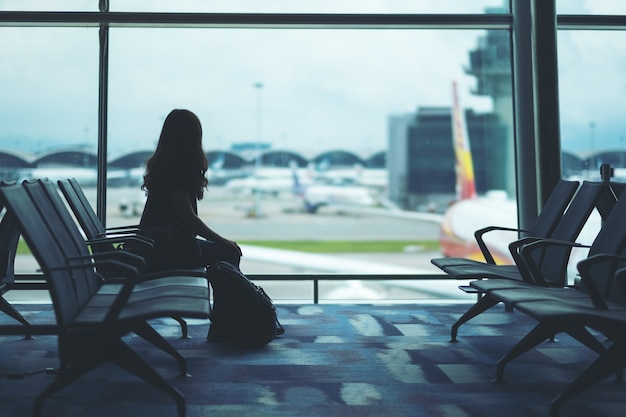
x,y
596,284
589,197
597,302
92,316
103,239
604,310
595,290
537,265
543,226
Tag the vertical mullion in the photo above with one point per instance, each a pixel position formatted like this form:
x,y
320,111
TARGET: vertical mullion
x,y
103,90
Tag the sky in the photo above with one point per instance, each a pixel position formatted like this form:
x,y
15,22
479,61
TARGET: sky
x,y
321,89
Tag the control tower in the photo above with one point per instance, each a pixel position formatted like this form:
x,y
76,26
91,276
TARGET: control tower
x,y
490,63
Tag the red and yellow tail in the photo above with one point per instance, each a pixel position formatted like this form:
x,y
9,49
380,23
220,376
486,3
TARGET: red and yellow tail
x,y
465,184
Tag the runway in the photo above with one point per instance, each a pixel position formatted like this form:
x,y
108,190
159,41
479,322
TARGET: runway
x,y
280,218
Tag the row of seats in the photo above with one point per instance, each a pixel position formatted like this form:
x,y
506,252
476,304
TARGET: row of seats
x,y
99,295
537,284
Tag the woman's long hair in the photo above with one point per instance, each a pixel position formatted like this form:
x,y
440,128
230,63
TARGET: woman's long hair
x,y
179,160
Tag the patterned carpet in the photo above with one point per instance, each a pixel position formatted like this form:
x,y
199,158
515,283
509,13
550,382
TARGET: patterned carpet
x,y
334,361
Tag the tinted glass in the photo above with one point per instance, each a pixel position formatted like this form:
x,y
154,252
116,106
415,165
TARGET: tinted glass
x,y
608,7
49,5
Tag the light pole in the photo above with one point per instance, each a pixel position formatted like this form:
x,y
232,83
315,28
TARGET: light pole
x,y
256,211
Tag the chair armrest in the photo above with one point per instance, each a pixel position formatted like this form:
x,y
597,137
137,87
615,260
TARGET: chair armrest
x,y
123,235
141,240
128,262
515,249
478,235
534,270
132,276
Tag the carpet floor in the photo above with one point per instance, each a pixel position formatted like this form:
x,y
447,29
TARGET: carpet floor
x,y
334,361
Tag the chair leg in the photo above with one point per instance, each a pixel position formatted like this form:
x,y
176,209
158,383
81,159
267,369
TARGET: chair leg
x,y
183,327
580,333
128,359
482,305
147,332
538,334
65,377
97,351
607,363
10,311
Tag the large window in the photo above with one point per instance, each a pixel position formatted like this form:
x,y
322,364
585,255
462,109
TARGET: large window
x,y
316,93
362,114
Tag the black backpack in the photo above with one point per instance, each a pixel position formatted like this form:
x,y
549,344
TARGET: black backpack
x,y
242,312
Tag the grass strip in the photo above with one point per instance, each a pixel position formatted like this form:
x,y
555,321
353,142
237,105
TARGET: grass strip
x,y
326,246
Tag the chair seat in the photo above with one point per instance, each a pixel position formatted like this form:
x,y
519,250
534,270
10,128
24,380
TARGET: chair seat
x,y
145,308
443,263
520,295
488,285
107,293
165,281
482,270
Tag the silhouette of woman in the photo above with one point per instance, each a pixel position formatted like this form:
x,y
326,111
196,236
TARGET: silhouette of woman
x,y
174,181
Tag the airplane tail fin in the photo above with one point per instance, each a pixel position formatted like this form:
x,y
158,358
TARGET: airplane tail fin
x,y
465,183
297,187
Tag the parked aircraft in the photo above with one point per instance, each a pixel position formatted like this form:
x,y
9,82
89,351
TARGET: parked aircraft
x,y
87,177
470,212
356,175
272,181
319,194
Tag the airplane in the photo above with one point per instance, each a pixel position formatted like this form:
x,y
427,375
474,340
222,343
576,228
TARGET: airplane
x,y
470,212
87,177
316,195
333,188
355,175
272,181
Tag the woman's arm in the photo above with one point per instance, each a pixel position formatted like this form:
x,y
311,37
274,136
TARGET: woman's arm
x,y
186,214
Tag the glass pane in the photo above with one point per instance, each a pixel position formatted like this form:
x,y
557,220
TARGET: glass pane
x,y
48,107
49,5
363,118
319,6
591,89
608,7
